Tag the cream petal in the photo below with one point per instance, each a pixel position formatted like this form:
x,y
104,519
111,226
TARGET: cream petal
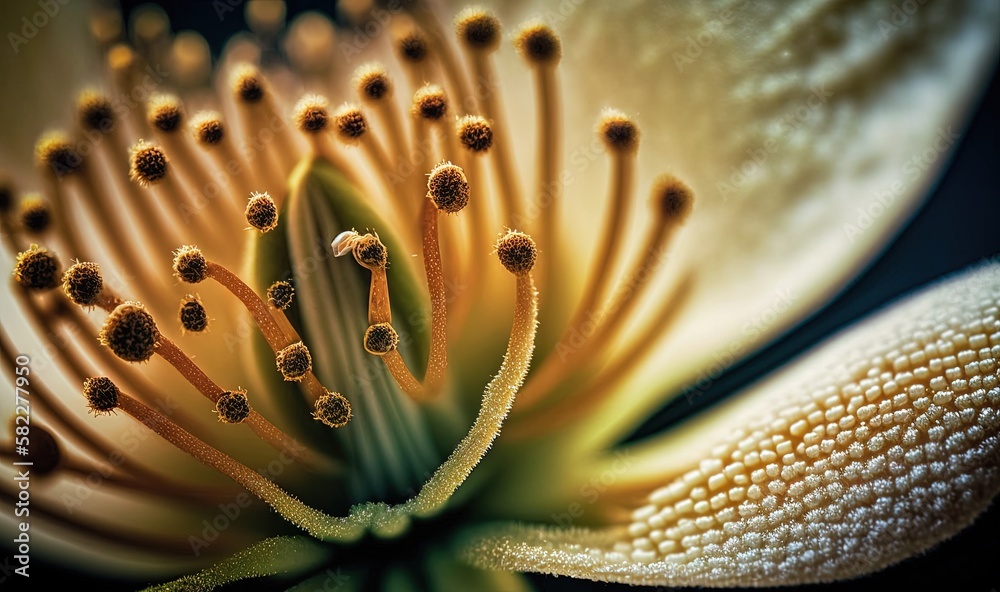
x,y
841,113
869,451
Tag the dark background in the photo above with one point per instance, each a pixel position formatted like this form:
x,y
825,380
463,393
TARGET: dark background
x,y
958,227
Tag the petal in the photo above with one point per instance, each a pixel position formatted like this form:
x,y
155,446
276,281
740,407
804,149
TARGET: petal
x,y
872,450
809,136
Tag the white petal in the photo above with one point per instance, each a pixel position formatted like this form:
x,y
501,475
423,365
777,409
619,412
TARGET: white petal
x,y
870,451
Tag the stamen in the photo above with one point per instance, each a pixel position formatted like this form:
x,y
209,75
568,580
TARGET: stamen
x,y
261,212
620,136
213,136
375,88
36,214
539,45
353,129
672,201
517,255
448,191
257,108
192,314
480,33
316,523
476,135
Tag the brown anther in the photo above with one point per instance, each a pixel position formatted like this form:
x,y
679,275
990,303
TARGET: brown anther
x,y
351,123
192,314
369,252
672,198
618,132
261,212
448,187
148,163
95,112
294,362
381,339
102,394
311,114
36,214
538,44
190,265
517,252
373,83
280,294
37,269
475,133
130,332
83,283
430,103
478,29
249,85
413,47
54,152
333,409
208,128
165,113
232,406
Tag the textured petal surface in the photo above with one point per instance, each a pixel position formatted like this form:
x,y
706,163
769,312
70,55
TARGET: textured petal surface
x,y
890,443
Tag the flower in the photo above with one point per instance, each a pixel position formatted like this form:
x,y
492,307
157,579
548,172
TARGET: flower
x,y
912,422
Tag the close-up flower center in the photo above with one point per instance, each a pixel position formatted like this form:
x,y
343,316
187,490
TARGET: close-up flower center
x,y
343,303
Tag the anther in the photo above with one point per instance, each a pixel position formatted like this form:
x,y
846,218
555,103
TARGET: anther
x,y
192,314
311,114
55,152
430,102
248,84
37,269
83,283
294,362
333,409
95,112
208,128
232,406
165,113
373,83
517,252
448,187
351,123
381,339
618,132
130,332
673,198
475,133
261,212
369,252
190,264
538,44
148,163
280,294
478,29
36,214
413,47
102,394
